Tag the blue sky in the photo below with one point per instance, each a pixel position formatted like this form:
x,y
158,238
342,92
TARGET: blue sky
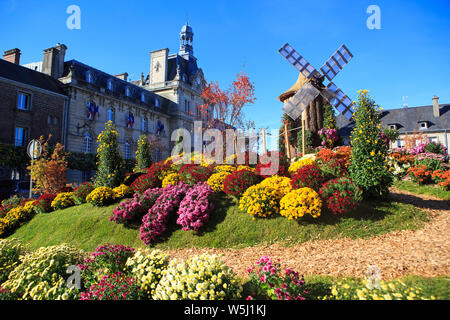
x,y
408,56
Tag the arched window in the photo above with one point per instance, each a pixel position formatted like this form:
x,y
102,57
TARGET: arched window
x,y
143,97
144,125
87,143
157,102
127,150
111,115
128,91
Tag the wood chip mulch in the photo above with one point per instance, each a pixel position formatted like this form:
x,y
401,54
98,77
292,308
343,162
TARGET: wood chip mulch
x,y
424,252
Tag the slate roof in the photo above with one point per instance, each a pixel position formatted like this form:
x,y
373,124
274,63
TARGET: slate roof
x,y
188,67
30,77
406,119
80,71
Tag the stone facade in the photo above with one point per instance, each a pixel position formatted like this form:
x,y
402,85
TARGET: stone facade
x,y
30,108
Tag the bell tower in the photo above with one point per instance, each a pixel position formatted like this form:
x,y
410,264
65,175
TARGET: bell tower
x,y
186,40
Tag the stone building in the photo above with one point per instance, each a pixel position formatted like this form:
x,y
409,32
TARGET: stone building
x,y
165,99
32,104
433,121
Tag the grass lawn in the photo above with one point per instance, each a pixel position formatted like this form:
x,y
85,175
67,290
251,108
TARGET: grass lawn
x,y
431,190
87,227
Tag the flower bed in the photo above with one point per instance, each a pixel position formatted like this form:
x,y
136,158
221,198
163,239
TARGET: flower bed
x,y
268,284
101,196
155,221
81,192
300,202
42,274
132,210
195,207
341,195
62,201
202,277
236,184
308,176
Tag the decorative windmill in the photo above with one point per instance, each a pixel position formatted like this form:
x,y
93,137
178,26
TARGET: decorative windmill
x,y
310,85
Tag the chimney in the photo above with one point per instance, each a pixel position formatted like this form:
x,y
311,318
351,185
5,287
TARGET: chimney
x,y
122,76
12,56
53,63
436,111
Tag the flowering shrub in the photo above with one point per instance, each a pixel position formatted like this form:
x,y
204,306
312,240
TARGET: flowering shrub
x,y
122,192
44,203
267,282
225,168
282,185
81,192
300,202
161,169
172,178
132,210
193,174
304,161
420,174
62,201
42,274
10,253
435,147
195,207
442,178
334,168
203,277
147,181
341,195
344,153
236,184
106,260
260,201
324,155
15,218
309,176
155,221
329,137
430,160
6,294
217,179
369,150
100,197
273,163
113,287
362,290
146,267
109,166
10,203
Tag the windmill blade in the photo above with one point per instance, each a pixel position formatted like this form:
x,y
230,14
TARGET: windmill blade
x,y
337,61
299,62
339,100
295,105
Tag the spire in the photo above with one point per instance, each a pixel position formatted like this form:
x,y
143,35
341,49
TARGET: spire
x,y
186,40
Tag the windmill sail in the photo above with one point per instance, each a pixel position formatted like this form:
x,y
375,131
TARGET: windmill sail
x,y
337,61
299,62
295,105
339,100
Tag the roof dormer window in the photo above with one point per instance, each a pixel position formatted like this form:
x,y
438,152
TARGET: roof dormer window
x,y
143,97
110,85
89,77
128,91
157,102
423,125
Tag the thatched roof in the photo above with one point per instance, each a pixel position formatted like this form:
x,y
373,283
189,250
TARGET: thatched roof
x,y
293,90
